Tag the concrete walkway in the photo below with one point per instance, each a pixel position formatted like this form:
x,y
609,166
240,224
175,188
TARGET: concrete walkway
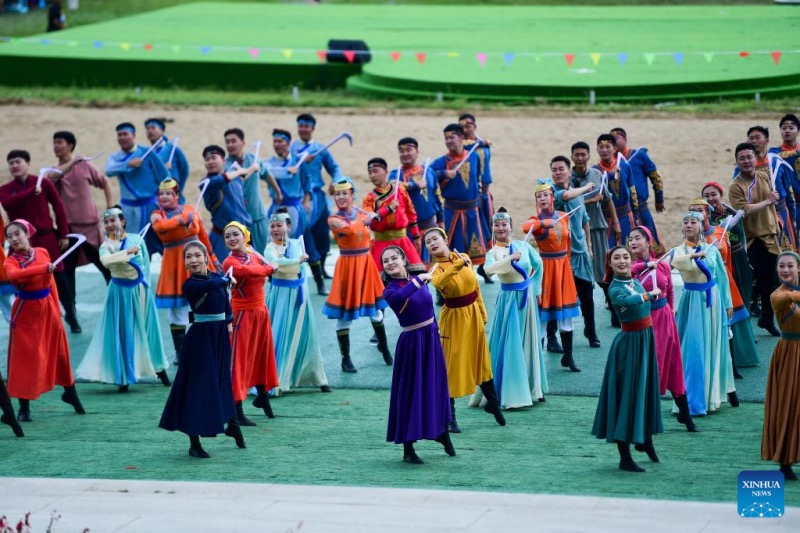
x,y
154,506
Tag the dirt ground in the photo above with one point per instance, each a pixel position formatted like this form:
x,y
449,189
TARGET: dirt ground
x,y
688,150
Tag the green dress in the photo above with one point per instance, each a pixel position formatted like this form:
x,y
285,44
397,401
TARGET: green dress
x,y
629,406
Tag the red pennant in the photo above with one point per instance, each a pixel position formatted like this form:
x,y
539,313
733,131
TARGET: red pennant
x,y
350,55
776,56
570,58
148,47
744,54
421,57
322,55
395,55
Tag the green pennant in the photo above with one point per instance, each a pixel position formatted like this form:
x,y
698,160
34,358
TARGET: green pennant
x,y
709,56
649,58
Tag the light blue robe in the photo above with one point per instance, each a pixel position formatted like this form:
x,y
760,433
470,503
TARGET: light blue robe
x,y
138,186
180,165
293,190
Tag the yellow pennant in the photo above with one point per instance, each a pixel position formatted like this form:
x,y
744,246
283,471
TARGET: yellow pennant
x,y
595,58
125,46
287,53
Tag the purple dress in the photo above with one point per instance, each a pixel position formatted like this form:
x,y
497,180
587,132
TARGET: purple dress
x,y
419,405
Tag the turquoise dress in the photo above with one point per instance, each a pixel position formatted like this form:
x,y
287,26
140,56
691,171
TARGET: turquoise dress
x,y
294,329
629,406
518,364
703,328
126,345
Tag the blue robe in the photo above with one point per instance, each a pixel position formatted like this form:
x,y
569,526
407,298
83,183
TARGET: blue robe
x,y
224,199
579,259
622,190
253,204
642,169
180,165
293,190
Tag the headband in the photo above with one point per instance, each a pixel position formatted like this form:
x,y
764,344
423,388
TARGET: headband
x,y
715,185
437,229
169,184
646,231
304,122
344,184
280,217
377,164
241,227
793,254
694,214
544,184
155,122
113,212
701,202
501,215
127,128
25,224
281,136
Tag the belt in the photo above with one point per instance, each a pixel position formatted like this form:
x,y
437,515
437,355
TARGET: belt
x,y
181,242
139,202
292,202
706,287
291,283
217,317
790,336
389,235
420,325
552,255
34,295
427,224
624,210
122,282
354,251
780,205
519,286
658,303
637,325
461,301
462,205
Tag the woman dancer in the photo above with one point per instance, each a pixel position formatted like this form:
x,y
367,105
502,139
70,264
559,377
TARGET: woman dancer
x,y
652,274
38,353
780,441
702,317
357,289
515,344
252,348
418,405
462,326
294,328
126,345
629,407
201,400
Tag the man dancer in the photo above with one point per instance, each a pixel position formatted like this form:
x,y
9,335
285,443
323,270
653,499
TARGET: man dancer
x,y
21,199
74,188
466,228
293,191
789,151
643,168
751,191
317,238
172,156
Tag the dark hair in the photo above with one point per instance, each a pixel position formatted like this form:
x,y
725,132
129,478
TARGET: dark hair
x,y
125,125
609,275
621,131
384,276
379,161
20,225
607,137
278,131
66,136
455,128
789,117
760,129
580,144
307,117
408,140
741,147
563,159
22,154
196,244
234,131
213,149
467,116
284,211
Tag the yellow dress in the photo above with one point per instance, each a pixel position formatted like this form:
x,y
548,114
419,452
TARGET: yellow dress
x,y
461,325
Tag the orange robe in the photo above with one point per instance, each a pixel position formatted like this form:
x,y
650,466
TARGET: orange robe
x,y
391,227
252,347
38,353
175,229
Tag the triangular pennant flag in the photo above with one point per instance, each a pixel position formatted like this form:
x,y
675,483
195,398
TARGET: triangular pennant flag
x,y
350,55
254,53
125,46
649,58
622,57
98,44
322,55
72,43
44,41
148,46
395,56
744,54
569,58
421,57
205,49
776,57
481,58
287,53
176,48
709,56
452,55
678,57
537,57
508,57
595,58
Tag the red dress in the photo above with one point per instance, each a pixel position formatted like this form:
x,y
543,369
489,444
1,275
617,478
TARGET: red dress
x,y
38,353
390,229
252,347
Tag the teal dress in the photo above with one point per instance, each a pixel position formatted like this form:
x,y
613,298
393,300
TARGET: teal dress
x,y
629,406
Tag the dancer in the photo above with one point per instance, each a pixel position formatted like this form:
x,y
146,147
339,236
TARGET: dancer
x,y
463,320
357,288
282,167
780,441
515,343
201,400
38,353
126,345
702,317
620,186
629,408
170,153
418,403
559,297
252,348
294,327
652,274
175,225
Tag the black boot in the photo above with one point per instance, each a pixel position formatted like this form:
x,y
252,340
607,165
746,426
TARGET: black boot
x,y
684,417
788,473
444,440
452,427
755,308
325,388
492,403
262,401
240,416
162,375
552,341
626,462
71,317
123,388
733,399
383,343
769,326
648,448
567,361
24,413
235,432
316,270
70,396
325,274
343,336
196,450
178,334
486,277
409,455
10,420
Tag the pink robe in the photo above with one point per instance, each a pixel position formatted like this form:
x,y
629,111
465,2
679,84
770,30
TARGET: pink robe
x,y
668,347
